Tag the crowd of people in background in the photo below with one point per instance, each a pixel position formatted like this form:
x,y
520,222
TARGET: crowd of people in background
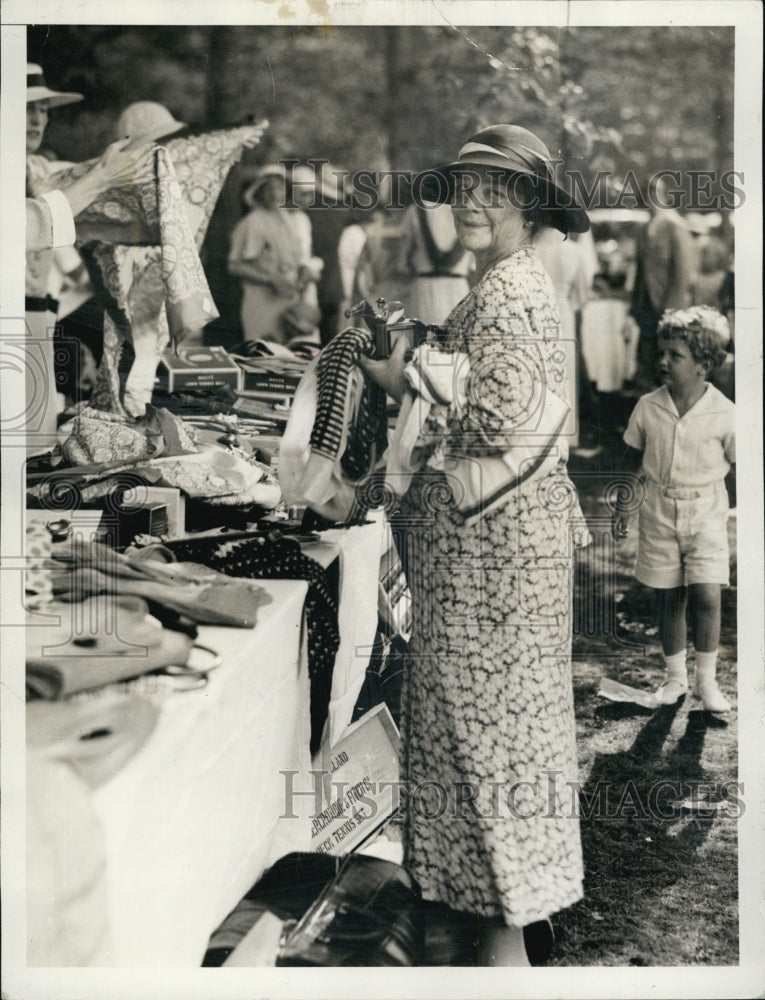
x,y
292,251
506,288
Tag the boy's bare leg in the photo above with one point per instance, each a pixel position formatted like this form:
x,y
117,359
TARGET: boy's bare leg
x,y
673,630
706,604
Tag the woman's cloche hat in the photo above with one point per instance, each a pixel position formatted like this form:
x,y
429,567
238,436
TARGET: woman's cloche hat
x,y
147,121
38,90
515,150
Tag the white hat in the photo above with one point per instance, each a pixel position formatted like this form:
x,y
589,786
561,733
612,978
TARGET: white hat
x,y
263,174
37,90
147,121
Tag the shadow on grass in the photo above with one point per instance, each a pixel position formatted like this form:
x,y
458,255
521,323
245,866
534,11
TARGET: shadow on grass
x,y
637,839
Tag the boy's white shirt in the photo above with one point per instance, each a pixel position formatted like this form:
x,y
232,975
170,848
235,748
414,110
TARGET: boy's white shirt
x,y
672,445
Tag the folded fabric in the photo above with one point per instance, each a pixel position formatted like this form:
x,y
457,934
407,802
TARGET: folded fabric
x,y
97,436
218,476
196,593
96,642
479,482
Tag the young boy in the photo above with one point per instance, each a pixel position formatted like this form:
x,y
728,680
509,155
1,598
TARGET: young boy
x,y
686,433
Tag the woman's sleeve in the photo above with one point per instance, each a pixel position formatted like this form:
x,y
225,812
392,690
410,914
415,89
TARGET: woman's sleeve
x,y
49,222
507,377
247,241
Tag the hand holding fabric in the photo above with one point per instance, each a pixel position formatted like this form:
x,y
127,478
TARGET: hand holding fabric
x,y
120,165
389,374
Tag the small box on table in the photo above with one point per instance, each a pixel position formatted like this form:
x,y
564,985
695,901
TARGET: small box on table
x,y
198,368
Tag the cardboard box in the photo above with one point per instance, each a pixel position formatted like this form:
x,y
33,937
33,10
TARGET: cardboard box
x,y
359,784
196,368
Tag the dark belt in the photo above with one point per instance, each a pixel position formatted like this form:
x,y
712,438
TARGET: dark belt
x,y
47,303
439,274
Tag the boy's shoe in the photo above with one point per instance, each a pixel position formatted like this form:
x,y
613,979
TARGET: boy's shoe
x,y
711,697
670,692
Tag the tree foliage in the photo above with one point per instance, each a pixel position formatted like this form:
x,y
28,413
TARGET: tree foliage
x,y
615,99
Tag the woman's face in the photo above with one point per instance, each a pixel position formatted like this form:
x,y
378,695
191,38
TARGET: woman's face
x,y
37,120
271,193
487,221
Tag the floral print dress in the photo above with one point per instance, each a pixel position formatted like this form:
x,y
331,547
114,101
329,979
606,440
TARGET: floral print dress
x,y
489,753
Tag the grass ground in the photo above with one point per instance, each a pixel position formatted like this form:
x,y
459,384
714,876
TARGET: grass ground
x,y
661,880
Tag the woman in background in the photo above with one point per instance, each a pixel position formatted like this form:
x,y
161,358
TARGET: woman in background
x,y
267,256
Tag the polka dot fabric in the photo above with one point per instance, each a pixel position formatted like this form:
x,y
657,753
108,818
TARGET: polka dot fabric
x,y
282,559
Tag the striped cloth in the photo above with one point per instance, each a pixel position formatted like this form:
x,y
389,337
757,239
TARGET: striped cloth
x,y
367,433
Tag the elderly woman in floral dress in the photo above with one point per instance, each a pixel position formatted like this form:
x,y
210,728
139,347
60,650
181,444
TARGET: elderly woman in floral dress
x,y
489,522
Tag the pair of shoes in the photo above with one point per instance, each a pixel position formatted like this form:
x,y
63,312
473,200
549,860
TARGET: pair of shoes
x,y
670,692
711,697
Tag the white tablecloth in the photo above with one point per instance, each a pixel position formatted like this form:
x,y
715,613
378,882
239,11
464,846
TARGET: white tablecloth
x,y
192,820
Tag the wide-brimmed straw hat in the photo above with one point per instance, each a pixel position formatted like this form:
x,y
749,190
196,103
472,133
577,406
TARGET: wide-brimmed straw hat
x,y
512,150
263,174
146,121
38,90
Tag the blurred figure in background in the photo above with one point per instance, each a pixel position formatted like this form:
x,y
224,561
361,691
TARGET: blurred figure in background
x,y
567,267
321,193
663,280
432,258
267,254
353,239
376,275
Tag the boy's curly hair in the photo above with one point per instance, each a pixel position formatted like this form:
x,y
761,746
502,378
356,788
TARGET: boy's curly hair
x,y
704,330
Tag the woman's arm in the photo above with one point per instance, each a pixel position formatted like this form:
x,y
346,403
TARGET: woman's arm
x,y
117,167
389,374
249,271
50,217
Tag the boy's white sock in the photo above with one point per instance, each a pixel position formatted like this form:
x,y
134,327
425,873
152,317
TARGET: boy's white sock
x,y
706,683
676,680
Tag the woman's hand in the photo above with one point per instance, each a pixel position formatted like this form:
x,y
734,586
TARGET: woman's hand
x,y
389,374
619,526
283,287
119,165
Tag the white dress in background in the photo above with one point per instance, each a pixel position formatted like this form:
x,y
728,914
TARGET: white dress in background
x,y
566,265
436,286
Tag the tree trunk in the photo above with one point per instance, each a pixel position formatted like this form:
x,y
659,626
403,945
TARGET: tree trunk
x,y
223,69
392,114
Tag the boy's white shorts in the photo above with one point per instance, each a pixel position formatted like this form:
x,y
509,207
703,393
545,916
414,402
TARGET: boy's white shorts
x,y
683,539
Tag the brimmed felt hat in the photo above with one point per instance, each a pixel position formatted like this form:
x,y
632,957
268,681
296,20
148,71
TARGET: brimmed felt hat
x,y
147,121
38,90
513,150
263,174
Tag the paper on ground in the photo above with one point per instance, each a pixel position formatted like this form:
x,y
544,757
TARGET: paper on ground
x,y
615,691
